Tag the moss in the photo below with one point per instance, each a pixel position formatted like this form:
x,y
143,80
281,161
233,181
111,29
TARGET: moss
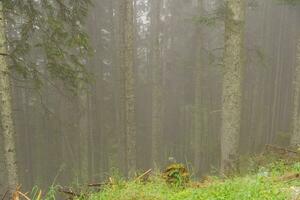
x,y
176,174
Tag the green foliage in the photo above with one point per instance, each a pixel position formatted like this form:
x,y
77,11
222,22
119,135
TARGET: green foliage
x,y
261,182
250,187
47,37
36,193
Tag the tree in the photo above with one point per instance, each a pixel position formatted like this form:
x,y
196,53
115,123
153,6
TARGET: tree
x,y
198,114
54,29
232,79
295,139
127,58
6,111
156,68
83,126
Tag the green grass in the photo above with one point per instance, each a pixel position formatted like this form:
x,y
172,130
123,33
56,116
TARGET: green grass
x,y
250,187
261,182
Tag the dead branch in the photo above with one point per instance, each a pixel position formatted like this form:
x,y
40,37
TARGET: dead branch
x,y
143,175
24,195
289,177
16,194
280,149
110,182
3,197
96,184
3,54
69,192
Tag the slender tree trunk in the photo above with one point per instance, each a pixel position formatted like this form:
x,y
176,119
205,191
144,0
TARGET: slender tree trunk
x,y
156,67
232,79
7,124
118,85
83,136
295,139
198,114
129,84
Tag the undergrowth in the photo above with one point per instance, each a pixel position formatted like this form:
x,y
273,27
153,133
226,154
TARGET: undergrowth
x,y
263,181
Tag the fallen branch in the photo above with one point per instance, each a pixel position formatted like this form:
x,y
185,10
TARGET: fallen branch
x,y
110,182
3,54
16,194
289,177
96,184
143,175
23,195
69,192
3,197
280,149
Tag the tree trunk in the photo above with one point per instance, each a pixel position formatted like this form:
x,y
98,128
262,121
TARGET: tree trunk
x,y
198,114
7,124
129,83
232,79
156,67
83,136
295,139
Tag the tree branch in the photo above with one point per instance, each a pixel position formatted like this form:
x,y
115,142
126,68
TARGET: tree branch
x,y
4,54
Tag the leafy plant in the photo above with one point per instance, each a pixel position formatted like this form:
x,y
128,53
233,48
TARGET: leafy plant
x,y
177,175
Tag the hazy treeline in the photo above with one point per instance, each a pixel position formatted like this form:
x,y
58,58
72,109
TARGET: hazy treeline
x,y
164,86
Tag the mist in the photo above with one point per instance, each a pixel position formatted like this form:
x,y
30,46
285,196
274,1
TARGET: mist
x,y
146,83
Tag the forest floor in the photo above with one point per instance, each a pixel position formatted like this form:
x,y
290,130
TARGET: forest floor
x,y
277,181
272,176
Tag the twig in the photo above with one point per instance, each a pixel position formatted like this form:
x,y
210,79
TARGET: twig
x,y
96,184
143,175
111,181
4,195
24,195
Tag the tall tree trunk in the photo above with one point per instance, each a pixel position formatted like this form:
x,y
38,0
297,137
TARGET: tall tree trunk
x,y
232,80
295,139
129,84
7,124
118,84
83,136
198,114
156,67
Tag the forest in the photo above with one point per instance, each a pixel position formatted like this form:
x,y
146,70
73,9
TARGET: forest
x,y
95,89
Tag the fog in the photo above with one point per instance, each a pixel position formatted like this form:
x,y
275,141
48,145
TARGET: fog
x,y
157,92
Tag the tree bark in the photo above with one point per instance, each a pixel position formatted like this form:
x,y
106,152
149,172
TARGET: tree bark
x,y
232,80
127,54
6,118
198,114
83,136
156,68
295,139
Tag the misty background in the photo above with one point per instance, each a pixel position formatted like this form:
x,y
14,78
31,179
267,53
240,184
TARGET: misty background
x,y
66,139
